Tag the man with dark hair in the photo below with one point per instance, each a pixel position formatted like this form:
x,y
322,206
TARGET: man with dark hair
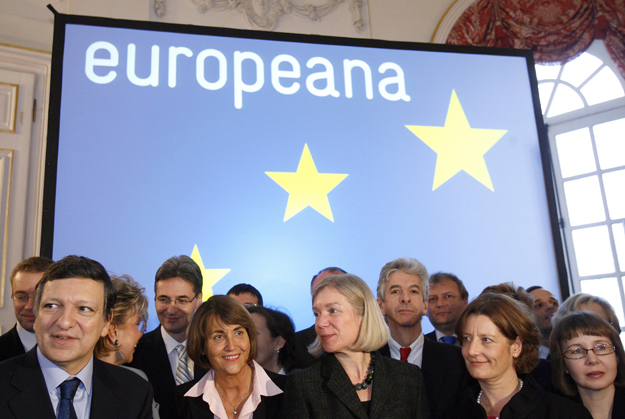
x,y
305,337
447,300
246,294
545,306
21,338
403,291
60,377
162,353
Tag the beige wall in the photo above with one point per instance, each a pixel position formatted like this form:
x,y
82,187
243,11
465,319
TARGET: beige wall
x,y
28,23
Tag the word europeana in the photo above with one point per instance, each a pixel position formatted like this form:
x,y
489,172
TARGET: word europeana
x,y
285,72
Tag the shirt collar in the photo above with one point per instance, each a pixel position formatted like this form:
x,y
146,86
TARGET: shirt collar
x,y
263,386
55,375
439,335
28,339
170,343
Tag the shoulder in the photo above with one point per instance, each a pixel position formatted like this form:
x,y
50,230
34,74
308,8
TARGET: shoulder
x,y
433,351
431,335
126,379
397,369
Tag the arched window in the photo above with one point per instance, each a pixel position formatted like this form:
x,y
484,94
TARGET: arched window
x,y
583,104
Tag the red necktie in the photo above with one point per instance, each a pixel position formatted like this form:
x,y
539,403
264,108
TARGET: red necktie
x,y
403,354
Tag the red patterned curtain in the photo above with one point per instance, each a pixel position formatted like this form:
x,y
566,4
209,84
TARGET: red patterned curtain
x,y
558,30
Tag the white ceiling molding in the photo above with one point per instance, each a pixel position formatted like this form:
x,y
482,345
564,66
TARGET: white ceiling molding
x,y
449,19
265,14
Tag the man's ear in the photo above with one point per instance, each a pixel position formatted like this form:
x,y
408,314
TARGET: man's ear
x,y
381,304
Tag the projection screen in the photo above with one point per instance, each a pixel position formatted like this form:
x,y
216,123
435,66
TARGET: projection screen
x,y
268,156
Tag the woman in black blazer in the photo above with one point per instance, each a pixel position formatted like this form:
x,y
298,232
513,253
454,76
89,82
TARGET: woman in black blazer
x,y
352,380
222,339
500,347
588,363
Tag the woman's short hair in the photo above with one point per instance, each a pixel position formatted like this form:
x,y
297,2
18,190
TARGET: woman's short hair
x,y
218,309
509,289
129,300
373,331
577,324
575,303
513,319
279,324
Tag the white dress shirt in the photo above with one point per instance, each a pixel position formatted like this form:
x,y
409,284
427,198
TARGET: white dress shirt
x,y
54,376
29,340
172,354
416,350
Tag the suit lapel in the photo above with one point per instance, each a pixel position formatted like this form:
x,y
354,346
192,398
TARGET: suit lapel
x,y
104,402
337,382
381,390
28,379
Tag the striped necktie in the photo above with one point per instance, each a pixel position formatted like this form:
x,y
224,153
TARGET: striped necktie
x,y
182,372
65,409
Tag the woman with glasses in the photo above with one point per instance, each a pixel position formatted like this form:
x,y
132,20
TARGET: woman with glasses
x,y
500,347
130,314
588,363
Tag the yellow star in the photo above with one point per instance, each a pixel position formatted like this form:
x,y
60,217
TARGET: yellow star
x,y
307,187
458,146
209,276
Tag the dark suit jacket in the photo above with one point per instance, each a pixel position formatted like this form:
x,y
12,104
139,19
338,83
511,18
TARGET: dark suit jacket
x,y
197,408
117,392
445,376
303,338
431,336
324,391
151,357
10,344
532,402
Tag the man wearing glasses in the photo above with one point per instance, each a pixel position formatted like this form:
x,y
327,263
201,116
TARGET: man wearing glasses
x,y
162,353
21,338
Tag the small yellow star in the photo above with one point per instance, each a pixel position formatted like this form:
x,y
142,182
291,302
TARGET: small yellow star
x,y
307,187
458,146
210,276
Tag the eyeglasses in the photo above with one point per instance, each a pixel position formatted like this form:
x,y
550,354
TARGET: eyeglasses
x,y
181,302
248,305
599,350
22,298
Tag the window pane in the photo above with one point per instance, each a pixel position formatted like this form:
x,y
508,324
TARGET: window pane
x,y
593,252
578,70
575,153
606,288
603,87
614,185
610,143
547,72
565,100
618,230
583,200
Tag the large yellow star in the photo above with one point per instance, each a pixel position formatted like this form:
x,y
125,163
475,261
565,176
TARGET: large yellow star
x,y
458,146
307,187
209,276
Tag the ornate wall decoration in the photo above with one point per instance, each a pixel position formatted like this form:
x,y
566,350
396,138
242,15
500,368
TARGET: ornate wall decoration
x,y
265,14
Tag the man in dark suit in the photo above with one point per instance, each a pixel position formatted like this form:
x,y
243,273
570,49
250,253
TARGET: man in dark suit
x,y
21,338
402,295
73,304
162,353
447,300
305,337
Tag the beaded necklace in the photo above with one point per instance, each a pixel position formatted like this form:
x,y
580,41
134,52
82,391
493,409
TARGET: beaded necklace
x,y
369,378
